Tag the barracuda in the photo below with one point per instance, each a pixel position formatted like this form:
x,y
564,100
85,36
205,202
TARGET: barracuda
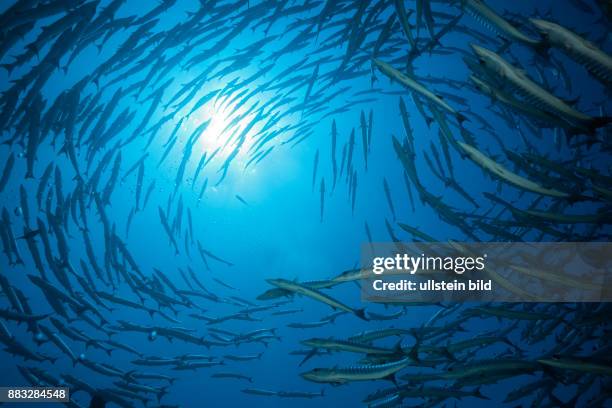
x,y
490,19
295,287
520,106
352,346
345,375
415,86
577,364
369,336
495,168
479,370
532,92
596,61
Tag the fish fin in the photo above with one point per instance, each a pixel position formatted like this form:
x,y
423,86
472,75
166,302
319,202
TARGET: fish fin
x,y
598,122
308,356
8,67
541,48
128,374
398,347
462,118
554,374
414,351
448,354
506,44
161,393
571,101
478,394
361,313
391,377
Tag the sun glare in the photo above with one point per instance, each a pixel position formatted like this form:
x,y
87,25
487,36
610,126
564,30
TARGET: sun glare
x,y
238,136
226,123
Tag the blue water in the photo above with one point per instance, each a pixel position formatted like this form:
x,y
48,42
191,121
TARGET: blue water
x,y
278,233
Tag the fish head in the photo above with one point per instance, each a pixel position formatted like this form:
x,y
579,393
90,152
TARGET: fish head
x,y
554,33
315,343
318,375
543,26
488,59
281,283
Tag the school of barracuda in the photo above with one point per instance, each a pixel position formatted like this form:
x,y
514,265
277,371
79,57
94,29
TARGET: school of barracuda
x,y
87,139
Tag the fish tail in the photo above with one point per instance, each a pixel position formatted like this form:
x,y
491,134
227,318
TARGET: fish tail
x,y
414,351
8,68
128,376
448,354
161,393
599,122
541,48
460,118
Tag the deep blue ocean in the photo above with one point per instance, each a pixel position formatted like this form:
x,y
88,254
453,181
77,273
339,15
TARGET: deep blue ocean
x,y
261,85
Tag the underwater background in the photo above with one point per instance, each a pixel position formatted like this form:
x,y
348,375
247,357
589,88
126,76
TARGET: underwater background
x,y
161,161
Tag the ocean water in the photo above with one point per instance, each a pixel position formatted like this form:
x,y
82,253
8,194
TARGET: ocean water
x,y
286,72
